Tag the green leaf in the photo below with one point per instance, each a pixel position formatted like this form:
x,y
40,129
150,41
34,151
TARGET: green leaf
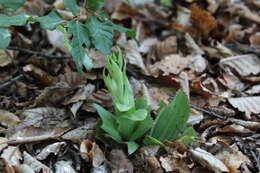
x,y
129,32
50,21
126,127
17,20
188,136
131,147
171,119
72,6
95,4
142,128
80,38
11,5
101,34
138,115
152,141
166,3
5,38
108,122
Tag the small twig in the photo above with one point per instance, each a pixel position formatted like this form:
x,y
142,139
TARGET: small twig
x,y
11,81
38,53
208,112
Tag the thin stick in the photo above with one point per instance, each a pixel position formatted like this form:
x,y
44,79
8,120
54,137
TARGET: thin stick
x,y
38,53
11,81
208,112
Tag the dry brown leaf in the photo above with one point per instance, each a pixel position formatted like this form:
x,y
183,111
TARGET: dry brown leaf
x,y
5,168
253,90
153,165
255,39
99,59
40,75
208,160
3,143
166,47
202,19
5,58
234,129
231,82
8,118
35,134
235,33
248,105
248,124
82,94
23,168
231,158
172,164
243,64
120,162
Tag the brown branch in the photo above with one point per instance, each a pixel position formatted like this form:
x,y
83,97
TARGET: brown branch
x,y
11,81
208,112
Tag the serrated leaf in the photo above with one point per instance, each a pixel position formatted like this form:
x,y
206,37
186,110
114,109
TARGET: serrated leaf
x,y
50,21
108,122
95,4
5,38
80,38
17,20
72,6
171,119
129,32
101,34
11,5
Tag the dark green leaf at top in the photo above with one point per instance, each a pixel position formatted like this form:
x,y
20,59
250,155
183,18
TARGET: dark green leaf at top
x,y
79,40
17,20
50,21
72,6
11,5
95,4
101,34
5,38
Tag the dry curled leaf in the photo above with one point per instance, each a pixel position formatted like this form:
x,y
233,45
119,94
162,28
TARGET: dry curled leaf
x,y
8,118
64,167
248,105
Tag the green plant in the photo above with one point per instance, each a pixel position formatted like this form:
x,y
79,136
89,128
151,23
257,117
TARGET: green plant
x,y
96,31
132,118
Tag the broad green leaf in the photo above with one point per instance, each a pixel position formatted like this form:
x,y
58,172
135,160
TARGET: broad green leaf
x,y
108,122
142,128
131,147
5,38
80,38
72,6
11,5
17,20
171,119
50,21
95,4
138,115
126,127
101,34
129,32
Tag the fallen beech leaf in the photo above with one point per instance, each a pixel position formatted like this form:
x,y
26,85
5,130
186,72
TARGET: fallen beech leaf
x,y
243,64
5,59
23,168
12,155
248,124
3,143
202,19
8,119
34,163
120,162
52,148
255,39
208,160
253,90
166,47
64,167
56,38
248,105
153,165
172,164
231,157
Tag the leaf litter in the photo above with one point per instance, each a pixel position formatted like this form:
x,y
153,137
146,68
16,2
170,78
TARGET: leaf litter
x,y
208,48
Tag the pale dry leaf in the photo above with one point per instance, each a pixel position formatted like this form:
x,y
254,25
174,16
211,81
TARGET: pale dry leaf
x,y
82,94
248,124
23,168
243,64
183,16
79,134
52,148
153,165
3,143
102,169
120,162
208,160
34,163
75,107
254,90
255,39
193,48
199,63
5,59
64,167
56,38
231,158
231,82
166,47
147,44
167,164
8,118
35,134
99,59
248,105
174,164
12,155
5,168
